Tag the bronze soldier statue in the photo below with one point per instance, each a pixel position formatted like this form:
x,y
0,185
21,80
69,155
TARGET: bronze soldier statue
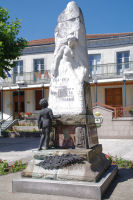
x,y
45,123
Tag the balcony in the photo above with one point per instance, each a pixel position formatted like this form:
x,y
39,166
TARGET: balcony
x,y
99,72
27,78
111,71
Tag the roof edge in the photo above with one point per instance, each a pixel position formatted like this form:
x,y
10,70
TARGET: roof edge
x,y
47,41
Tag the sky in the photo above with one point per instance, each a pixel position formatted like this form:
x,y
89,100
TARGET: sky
x,y
39,17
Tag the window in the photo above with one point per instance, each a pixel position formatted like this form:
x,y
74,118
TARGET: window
x,y
94,61
38,65
38,69
38,97
19,67
18,71
122,61
16,99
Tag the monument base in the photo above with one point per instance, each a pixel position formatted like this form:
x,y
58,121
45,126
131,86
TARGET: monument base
x,y
75,131
91,169
88,190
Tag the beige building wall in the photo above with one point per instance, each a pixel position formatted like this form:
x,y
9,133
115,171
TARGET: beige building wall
x,y
101,93
28,61
108,55
114,128
29,100
129,95
7,104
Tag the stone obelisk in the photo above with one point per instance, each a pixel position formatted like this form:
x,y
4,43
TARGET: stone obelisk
x,y
70,94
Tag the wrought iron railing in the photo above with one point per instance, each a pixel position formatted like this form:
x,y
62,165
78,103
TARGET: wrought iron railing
x,y
27,78
102,71
118,111
112,70
124,111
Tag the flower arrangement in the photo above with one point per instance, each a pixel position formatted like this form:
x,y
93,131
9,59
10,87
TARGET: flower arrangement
x,y
28,114
130,110
119,161
5,168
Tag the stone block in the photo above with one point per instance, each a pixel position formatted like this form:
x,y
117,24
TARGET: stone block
x,y
91,169
79,189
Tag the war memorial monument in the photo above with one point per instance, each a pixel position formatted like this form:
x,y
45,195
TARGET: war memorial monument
x,y
72,163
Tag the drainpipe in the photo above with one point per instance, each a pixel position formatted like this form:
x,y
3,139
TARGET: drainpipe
x,y
95,82
18,102
124,80
42,91
2,102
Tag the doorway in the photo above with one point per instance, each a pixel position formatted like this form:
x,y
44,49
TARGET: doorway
x,y
16,103
113,97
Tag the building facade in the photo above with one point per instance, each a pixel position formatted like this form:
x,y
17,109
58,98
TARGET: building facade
x,y
110,58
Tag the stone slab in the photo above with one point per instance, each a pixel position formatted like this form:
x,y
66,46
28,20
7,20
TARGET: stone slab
x,y
66,188
88,154
94,165
74,120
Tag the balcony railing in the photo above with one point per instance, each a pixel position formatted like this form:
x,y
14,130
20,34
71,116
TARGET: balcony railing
x,y
119,111
102,71
113,70
27,78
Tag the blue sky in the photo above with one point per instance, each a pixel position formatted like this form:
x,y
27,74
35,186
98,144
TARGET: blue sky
x,y
39,17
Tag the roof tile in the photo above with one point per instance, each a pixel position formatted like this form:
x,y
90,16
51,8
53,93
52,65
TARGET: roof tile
x,y
89,36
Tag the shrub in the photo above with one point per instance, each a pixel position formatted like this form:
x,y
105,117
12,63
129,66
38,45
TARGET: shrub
x,y
120,161
5,168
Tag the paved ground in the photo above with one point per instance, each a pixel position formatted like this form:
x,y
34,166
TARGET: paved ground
x,y
120,189
120,147
12,149
21,148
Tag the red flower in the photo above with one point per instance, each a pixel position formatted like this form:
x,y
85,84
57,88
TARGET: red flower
x,y
28,113
12,166
106,156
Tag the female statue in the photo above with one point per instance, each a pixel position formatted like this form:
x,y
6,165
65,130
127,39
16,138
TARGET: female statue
x,y
70,66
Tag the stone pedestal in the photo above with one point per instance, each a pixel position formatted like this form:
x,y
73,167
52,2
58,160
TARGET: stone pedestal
x,y
93,166
75,131
79,189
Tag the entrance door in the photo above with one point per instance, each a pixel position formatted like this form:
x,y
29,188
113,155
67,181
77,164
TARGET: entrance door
x,y
38,97
113,96
15,103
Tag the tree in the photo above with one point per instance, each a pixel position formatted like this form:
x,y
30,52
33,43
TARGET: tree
x,y
11,45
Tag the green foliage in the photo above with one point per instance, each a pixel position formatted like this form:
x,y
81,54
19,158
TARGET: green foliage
x,y
120,161
5,168
11,45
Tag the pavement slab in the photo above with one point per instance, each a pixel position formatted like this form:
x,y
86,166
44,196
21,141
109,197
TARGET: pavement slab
x,y
120,189
118,147
12,149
